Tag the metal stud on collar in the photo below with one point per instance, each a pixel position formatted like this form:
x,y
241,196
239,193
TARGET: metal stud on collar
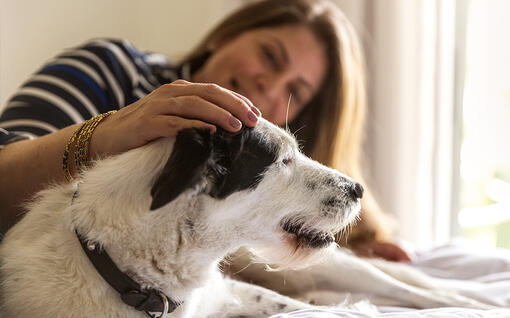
x,y
91,245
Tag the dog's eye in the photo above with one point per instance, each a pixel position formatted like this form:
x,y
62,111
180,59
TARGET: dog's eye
x,y
287,161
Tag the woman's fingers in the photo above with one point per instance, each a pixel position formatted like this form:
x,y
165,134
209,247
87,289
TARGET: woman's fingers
x,y
238,105
169,109
253,108
390,251
168,126
195,107
385,250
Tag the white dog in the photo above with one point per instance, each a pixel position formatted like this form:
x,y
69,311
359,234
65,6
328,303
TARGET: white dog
x,y
144,231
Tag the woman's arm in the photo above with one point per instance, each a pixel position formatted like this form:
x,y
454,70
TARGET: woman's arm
x,y
28,166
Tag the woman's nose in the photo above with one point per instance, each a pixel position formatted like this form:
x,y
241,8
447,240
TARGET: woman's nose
x,y
261,85
271,87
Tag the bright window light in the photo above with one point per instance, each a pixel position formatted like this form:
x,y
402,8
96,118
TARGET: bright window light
x,y
485,150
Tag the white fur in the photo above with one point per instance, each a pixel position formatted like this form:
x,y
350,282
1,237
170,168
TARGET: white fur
x,y
45,273
340,277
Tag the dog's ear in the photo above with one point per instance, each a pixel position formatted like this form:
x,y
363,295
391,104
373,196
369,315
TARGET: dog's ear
x,y
185,166
241,160
227,148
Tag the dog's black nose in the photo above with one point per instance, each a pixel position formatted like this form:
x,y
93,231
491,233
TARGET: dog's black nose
x,y
357,191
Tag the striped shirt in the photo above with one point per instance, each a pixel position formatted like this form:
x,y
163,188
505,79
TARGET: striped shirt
x,y
99,76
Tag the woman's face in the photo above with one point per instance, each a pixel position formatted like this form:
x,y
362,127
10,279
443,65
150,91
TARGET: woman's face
x,y
268,65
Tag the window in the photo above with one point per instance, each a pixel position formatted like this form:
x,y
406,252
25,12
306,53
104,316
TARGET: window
x,y
485,147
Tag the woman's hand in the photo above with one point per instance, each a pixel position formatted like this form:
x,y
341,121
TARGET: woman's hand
x,y
169,109
385,250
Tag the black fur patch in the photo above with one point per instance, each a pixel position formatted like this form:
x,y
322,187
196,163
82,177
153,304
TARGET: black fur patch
x,y
331,182
244,158
332,202
234,161
184,167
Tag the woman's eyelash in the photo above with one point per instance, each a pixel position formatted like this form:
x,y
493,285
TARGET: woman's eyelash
x,y
272,59
294,93
270,56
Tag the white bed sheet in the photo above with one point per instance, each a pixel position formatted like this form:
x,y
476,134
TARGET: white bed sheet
x,y
399,313
474,271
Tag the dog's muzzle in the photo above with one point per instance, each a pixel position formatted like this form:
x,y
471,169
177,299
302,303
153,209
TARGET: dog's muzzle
x,y
306,237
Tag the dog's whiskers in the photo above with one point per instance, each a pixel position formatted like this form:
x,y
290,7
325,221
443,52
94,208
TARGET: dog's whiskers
x,y
297,130
287,114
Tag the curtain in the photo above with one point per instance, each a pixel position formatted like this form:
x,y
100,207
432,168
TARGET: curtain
x,y
412,123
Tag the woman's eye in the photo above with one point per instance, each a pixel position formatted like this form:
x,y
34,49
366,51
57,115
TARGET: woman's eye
x,y
287,161
294,94
270,57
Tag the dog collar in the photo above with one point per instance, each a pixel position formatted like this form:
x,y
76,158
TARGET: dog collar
x,y
147,300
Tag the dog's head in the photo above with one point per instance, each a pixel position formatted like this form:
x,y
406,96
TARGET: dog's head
x,y
258,188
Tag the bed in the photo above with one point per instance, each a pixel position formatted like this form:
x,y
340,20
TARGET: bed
x,y
473,271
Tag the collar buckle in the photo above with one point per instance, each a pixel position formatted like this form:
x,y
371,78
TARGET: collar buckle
x,y
166,305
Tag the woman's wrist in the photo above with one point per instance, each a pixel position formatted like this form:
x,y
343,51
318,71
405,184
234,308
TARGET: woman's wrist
x,y
80,145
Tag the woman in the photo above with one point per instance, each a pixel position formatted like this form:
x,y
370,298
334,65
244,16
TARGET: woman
x,y
297,61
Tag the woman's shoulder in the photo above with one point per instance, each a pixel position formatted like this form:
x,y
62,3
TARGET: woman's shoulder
x,y
159,67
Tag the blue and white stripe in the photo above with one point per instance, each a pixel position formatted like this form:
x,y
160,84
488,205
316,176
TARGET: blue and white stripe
x,y
97,77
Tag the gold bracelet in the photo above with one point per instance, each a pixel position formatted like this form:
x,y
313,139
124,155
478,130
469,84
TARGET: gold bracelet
x,y
65,159
81,137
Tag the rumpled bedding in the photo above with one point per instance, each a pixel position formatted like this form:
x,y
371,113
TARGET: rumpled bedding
x,y
399,313
477,272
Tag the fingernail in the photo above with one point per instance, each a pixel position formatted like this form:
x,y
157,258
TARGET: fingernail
x,y
234,122
256,111
252,117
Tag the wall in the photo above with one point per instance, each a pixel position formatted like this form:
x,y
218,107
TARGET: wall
x,y
32,31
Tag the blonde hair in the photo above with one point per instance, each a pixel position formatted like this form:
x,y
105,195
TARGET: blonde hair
x,y
332,124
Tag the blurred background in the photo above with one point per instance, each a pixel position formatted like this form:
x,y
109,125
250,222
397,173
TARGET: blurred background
x,y
438,139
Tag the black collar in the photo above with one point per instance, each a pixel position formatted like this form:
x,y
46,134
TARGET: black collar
x,y
147,300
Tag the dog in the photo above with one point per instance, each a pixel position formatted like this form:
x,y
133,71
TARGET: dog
x,y
141,233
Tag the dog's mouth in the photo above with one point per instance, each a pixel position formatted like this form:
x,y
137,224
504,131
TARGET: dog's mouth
x,y
308,237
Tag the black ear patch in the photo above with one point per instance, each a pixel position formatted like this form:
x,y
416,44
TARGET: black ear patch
x,y
243,158
185,166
